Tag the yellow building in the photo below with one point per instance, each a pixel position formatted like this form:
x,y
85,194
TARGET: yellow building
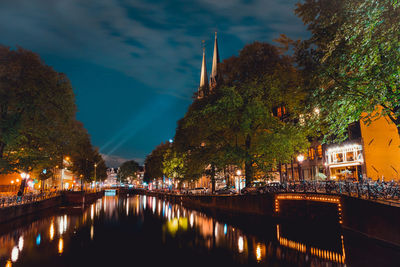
x,y
373,152
381,145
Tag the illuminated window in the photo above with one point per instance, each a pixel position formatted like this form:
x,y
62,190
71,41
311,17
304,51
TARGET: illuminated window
x,y
350,156
339,157
319,151
280,111
311,153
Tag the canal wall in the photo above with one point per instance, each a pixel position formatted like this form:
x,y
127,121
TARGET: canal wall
x,y
10,213
13,212
370,218
79,198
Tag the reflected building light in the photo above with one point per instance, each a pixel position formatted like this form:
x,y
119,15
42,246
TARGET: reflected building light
x,y
324,254
258,252
60,245
127,207
216,230
92,211
144,202
240,244
14,254
154,205
225,229
61,225
191,219
38,239
21,243
177,213
65,223
91,232
8,264
51,231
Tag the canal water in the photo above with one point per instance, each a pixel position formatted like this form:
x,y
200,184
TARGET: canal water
x,y
146,231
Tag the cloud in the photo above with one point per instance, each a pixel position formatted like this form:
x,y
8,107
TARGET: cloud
x,y
157,44
146,40
113,161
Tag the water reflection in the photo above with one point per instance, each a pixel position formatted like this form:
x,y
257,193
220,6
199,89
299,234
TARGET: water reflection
x,y
212,233
75,227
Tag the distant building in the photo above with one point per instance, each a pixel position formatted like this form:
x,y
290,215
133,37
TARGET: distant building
x,y
111,177
205,87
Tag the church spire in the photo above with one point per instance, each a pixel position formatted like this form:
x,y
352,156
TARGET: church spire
x,y
214,71
203,88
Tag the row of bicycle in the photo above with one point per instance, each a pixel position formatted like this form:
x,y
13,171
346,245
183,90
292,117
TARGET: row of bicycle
x,y
7,201
374,190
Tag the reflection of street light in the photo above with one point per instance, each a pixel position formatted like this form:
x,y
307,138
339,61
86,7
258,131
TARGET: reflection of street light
x,y
300,159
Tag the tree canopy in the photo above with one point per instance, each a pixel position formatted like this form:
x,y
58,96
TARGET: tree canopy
x,y
128,170
38,128
352,60
235,125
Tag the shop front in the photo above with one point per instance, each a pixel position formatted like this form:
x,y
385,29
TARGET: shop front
x,y
345,162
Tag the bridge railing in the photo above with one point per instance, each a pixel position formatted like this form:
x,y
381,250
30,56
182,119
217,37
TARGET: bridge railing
x,y
8,201
372,191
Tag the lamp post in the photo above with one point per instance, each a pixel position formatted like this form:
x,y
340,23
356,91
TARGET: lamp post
x,y
67,158
300,159
81,176
24,176
95,166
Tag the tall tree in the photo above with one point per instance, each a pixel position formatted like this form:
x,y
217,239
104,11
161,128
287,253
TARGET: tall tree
x,y
236,124
153,164
36,111
128,170
352,60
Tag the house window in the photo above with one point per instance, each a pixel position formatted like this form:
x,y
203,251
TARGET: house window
x,y
350,156
339,157
311,153
280,111
319,151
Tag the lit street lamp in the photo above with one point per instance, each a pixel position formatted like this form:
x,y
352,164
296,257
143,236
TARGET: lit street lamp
x,y
24,177
300,159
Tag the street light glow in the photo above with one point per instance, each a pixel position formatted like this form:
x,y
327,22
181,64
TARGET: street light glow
x,y
300,158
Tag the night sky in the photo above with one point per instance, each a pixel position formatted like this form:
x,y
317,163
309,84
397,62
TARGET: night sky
x,y
134,65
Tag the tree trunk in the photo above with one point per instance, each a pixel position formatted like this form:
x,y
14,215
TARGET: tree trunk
x,y
2,146
248,165
212,178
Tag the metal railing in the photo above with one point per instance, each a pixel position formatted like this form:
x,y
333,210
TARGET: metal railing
x,y
7,201
372,191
